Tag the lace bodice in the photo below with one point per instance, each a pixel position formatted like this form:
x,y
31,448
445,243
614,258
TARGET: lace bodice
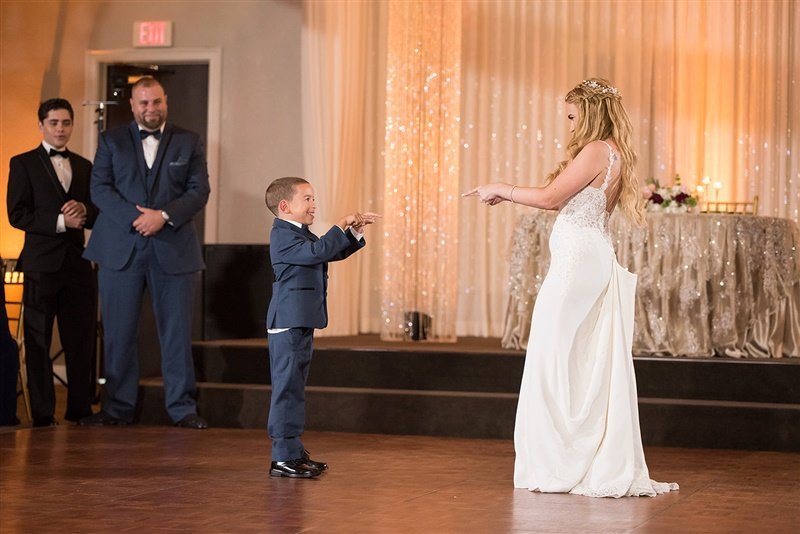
x,y
588,208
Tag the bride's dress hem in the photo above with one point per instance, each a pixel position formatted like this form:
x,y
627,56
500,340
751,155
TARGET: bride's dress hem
x,y
642,488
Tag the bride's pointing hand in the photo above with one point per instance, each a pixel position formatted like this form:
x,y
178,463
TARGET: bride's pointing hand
x,y
490,194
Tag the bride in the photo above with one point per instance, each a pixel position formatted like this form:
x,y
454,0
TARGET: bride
x,y
577,426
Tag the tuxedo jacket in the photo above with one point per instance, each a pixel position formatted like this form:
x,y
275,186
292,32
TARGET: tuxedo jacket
x,y
177,183
34,201
300,263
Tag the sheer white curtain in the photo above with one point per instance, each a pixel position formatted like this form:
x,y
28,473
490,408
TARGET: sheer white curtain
x,y
710,86
343,73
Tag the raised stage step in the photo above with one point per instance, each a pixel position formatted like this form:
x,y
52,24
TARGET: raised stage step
x,y
469,389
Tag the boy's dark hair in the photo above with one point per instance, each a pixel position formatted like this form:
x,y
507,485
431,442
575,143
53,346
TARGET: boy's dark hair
x,y
281,189
54,103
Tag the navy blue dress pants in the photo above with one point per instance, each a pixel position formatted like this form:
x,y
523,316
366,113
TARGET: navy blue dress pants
x,y
289,359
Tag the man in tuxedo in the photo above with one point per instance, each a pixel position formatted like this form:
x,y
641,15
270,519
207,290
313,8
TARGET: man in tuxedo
x,y
48,198
149,180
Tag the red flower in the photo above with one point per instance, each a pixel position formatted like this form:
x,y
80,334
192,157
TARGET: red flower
x,y
680,197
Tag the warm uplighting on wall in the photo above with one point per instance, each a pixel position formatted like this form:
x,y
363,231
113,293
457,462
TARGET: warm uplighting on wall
x,y
419,289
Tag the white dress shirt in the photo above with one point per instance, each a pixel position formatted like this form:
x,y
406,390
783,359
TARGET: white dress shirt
x,y
150,147
64,173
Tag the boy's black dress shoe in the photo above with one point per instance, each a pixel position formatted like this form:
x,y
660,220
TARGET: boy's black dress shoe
x,y
319,466
293,469
192,421
102,418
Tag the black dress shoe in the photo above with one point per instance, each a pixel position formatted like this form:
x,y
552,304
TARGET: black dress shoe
x,y
293,469
43,421
192,421
102,418
319,466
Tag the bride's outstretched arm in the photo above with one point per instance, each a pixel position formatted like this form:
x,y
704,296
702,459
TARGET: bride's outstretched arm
x,y
587,165
498,192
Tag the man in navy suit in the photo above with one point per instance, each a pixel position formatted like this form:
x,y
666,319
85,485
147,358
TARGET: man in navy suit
x,y
298,306
48,198
149,180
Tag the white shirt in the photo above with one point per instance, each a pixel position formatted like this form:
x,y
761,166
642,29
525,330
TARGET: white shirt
x,y
150,147
64,173
356,234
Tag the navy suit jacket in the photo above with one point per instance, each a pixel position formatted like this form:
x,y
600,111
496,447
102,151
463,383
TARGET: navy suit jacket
x,y
34,201
177,183
300,263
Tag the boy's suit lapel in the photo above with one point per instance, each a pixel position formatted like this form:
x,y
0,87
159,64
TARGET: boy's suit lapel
x,y
303,231
309,234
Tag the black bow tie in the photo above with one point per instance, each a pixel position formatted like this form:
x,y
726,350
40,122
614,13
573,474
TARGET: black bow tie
x,y
144,134
54,152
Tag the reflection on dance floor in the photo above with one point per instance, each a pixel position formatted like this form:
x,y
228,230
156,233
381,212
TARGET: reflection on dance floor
x,y
144,478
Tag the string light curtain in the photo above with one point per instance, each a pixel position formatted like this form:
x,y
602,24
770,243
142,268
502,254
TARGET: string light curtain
x,y
421,195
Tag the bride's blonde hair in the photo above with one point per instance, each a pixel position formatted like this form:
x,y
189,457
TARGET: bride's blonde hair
x,y
600,116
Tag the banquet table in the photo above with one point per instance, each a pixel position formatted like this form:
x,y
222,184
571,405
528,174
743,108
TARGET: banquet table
x,y
708,284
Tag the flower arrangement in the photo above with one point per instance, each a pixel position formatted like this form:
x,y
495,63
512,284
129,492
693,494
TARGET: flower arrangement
x,y
672,199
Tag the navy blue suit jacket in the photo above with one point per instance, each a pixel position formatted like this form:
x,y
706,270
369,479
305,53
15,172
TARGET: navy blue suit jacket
x,y
300,263
34,201
177,184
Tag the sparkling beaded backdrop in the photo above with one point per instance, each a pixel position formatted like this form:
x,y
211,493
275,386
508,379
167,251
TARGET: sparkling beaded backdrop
x,y
420,256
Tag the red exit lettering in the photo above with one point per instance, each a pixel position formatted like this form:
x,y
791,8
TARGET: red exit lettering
x,y
152,33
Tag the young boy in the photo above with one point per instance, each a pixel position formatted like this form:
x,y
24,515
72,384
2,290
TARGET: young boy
x,y
298,306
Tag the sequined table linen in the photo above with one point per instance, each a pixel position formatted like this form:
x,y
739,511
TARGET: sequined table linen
x,y
709,284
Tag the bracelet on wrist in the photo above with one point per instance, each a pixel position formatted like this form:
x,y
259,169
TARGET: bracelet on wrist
x,y
511,194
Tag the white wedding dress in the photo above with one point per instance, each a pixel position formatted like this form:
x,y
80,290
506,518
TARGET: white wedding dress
x,y
577,426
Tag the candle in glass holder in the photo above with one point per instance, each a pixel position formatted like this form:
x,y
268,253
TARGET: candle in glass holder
x,y
717,187
699,191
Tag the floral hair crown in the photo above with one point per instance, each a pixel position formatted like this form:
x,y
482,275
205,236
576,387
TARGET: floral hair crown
x,y
599,88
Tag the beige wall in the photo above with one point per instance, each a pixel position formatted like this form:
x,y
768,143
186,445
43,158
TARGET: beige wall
x,y
42,55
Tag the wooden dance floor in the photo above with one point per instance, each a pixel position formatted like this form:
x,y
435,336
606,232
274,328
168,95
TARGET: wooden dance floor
x,y
160,478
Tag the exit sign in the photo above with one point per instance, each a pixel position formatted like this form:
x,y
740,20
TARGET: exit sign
x,y
152,33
